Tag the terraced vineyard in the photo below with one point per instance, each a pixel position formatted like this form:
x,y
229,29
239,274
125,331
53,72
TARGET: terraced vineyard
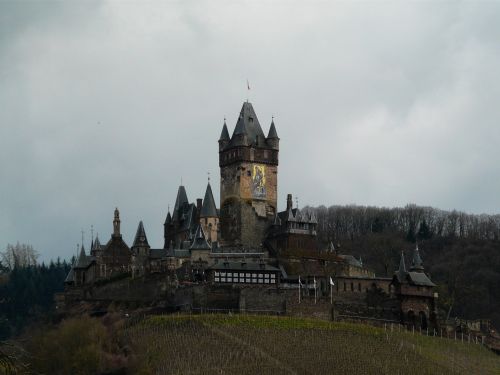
x,y
240,344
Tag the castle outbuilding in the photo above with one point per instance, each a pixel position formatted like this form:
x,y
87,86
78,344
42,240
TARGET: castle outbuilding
x,y
415,292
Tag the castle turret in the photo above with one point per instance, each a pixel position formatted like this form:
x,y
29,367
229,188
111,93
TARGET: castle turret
x,y
272,137
96,246
416,264
224,137
141,245
249,181
209,219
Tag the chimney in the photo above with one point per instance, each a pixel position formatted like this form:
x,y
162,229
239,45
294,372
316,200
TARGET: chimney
x,y
289,202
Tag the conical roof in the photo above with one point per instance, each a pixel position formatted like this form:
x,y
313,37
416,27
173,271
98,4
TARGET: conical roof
x,y
168,220
402,267
248,125
224,135
82,259
208,209
272,131
200,241
97,243
180,200
140,236
417,264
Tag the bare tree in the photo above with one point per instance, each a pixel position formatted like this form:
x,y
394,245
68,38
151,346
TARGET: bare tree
x,y
19,255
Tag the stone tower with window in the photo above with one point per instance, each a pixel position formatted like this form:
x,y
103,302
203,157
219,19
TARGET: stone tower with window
x,y
248,163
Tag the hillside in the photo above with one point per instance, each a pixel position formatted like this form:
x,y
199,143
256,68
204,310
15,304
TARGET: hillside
x,y
242,344
460,251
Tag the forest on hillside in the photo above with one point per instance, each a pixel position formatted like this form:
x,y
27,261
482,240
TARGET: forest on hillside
x,y
461,251
27,288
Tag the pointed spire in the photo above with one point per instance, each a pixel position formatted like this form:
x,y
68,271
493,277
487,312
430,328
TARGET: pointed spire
x,y
200,241
181,198
140,237
272,131
168,220
417,264
208,209
82,258
224,135
97,243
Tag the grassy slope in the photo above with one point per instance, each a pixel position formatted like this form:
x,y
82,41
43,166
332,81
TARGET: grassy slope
x,y
280,345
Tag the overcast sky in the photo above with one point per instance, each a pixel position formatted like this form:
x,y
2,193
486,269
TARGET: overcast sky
x,y
106,104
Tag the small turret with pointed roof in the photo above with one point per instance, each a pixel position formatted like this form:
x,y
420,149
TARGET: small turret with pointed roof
x,y
200,241
166,227
402,268
224,137
140,239
181,200
272,137
96,246
416,264
82,259
208,209
168,220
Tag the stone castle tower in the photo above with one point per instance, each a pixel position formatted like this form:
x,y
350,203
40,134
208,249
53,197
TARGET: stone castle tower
x,y
249,180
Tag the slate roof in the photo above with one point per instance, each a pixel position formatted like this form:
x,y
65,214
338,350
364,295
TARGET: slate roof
x,y
140,236
420,278
272,131
200,241
180,200
248,124
169,218
416,264
294,214
208,209
412,277
224,135
97,244
83,260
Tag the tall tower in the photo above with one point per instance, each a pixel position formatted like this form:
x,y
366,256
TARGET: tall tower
x,y
249,180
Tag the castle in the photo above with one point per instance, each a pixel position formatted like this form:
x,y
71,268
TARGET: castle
x,y
247,242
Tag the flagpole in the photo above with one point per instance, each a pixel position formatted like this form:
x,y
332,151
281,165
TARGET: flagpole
x,y
331,294
299,289
314,289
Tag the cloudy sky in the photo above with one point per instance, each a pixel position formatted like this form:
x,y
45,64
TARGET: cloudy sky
x,y
106,104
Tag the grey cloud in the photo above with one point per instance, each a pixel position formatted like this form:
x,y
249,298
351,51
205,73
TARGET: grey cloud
x,y
112,103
